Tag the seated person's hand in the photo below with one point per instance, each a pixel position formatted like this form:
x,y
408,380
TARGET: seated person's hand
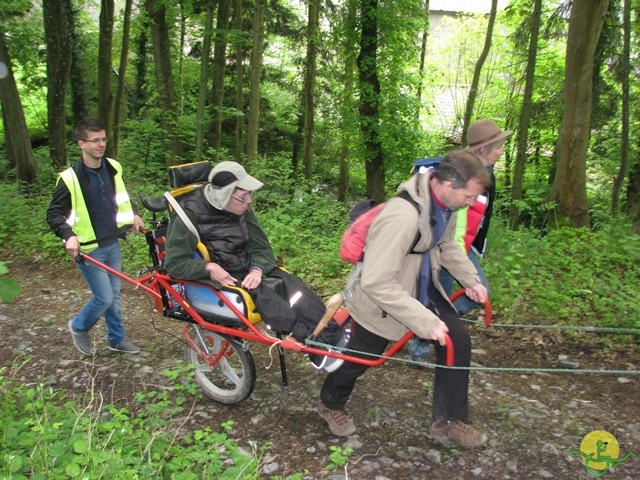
x,y
219,274
252,280
477,293
438,332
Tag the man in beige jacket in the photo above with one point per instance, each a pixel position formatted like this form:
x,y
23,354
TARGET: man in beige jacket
x,y
399,290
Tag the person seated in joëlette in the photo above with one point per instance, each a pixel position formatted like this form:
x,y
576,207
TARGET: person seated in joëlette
x,y
241,255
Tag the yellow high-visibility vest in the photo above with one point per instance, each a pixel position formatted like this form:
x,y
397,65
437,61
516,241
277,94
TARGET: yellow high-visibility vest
x,y
79,219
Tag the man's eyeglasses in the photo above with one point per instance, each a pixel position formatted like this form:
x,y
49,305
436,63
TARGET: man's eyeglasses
x,y
244,199
95,141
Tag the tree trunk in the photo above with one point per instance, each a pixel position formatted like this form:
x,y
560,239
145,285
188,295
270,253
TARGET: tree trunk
x,y
513,94
58,40
181,50
204,80
239,84
473,91
15,126
369,97
254,81
348,107
624,150
297,142
105,96
77,78
423,57
525,115
309,89
219,68
118,103
164,81
569,187
632,205
139,99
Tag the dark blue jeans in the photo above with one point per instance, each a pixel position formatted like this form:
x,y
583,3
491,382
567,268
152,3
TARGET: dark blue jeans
x,y
463,303
106,294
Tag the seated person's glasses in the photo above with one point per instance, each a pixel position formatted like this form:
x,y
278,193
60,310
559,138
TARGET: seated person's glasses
x,y
244,199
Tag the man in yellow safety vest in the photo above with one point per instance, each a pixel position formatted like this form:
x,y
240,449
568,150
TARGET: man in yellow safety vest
x,y
91,210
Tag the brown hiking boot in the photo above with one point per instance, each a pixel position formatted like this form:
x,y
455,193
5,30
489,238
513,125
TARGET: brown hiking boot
x,y
464,434
339,423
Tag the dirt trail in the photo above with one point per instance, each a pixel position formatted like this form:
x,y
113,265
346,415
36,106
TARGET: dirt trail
x,y
534,420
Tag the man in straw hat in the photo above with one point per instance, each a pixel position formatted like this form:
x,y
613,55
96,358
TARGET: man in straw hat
x,y
241,254
485,139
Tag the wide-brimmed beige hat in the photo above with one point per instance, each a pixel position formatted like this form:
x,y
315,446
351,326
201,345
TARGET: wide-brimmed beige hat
x,y
484,132
224,178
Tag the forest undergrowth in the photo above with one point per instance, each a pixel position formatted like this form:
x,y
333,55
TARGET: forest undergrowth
x,y
565,277
568,276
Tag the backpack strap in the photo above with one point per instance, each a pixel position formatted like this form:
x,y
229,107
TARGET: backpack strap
x,y
406,196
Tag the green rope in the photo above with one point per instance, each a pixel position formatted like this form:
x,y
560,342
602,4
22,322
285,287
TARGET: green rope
x,y
558,327
486,369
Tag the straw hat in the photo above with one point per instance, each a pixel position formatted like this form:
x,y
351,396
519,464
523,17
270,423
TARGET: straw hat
x,y
484,132
224,178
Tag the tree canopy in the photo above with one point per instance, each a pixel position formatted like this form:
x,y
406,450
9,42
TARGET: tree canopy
x,y
350,92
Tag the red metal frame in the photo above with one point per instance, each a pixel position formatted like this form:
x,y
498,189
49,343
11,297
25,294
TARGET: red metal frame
x,y
152,282
487,306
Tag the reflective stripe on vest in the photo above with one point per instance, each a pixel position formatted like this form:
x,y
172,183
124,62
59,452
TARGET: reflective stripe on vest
x,y
79,219
468,222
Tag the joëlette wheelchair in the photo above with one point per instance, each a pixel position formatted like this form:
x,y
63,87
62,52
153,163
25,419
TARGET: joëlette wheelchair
x,y
220,320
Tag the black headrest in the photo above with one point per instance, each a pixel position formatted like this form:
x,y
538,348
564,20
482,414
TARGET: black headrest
x,y
188,173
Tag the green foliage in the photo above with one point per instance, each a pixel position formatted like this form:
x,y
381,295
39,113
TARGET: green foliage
x,y
568,276
23,226
339,456
50,434
141,152
454,43
53,434
9,288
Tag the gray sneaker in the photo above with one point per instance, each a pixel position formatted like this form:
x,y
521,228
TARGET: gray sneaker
x,y
125,346
81,340
339,423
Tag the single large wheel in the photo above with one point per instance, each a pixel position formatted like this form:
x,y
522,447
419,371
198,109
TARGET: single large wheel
x,y
226,372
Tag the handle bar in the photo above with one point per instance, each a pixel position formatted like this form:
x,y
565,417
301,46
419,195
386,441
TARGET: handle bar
x,y
487,306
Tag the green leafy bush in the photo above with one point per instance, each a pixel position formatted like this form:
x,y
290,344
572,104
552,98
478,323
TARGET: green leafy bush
x,y
9,288
54,435
568,276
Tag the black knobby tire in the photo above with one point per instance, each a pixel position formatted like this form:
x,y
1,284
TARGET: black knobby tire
x,y
232,379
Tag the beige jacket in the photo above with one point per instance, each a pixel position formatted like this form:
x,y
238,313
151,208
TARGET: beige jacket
x,y
384,300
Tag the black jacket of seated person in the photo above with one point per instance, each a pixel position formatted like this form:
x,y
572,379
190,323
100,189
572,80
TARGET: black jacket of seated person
x,y
238,244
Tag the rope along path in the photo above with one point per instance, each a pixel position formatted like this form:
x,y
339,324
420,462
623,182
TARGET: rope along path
x,y
479,368
559,327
